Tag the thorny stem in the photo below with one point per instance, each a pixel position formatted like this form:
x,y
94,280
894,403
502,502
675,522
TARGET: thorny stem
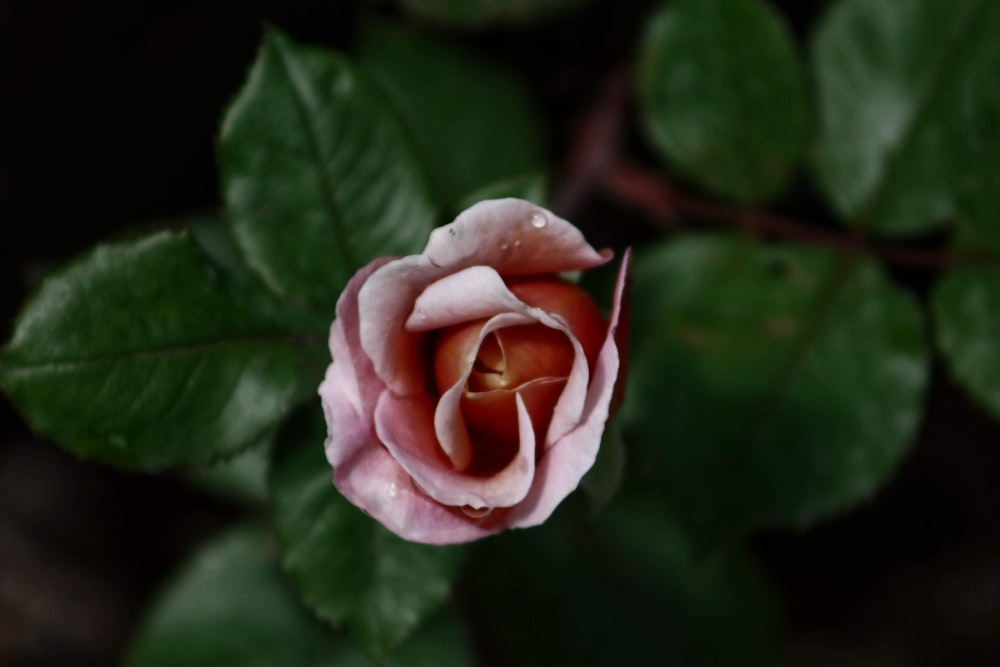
x,y
597,161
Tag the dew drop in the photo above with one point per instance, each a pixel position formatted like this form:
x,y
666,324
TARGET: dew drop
x,y
538,220
505,246
476,513
392,490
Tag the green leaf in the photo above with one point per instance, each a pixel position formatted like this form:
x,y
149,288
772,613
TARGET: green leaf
x,y
472,13
319,177
232,605
722,95
531,187
472,122
966,309
908,102
145,354
770,385
443,642
979,198
241,479
602,481
630,591
350,570
229,606
966,299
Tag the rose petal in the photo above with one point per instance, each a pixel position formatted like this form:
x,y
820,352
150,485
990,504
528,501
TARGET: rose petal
x,y
351,373
376,483
365,473
405,426
471,294
564,464
384,304
448,424
513,236
476,237
495,411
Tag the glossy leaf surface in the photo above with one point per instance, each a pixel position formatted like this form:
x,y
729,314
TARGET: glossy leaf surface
x,y
319,176
146,354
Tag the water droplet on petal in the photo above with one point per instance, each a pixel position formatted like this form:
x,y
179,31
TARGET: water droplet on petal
x,y
504,246
392,490
476,513
538,220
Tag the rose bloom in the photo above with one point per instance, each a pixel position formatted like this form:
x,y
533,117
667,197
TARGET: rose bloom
x,y
470,384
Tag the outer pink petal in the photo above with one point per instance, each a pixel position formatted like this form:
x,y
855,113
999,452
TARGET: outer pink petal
x,y
351,376
363,470
513,236
405,425
564,464
384,304
501,233
367,475
376,483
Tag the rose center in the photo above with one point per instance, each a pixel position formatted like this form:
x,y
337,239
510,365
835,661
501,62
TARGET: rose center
x,y
529,360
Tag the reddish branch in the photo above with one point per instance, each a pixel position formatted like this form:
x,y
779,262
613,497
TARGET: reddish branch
x,y
597,160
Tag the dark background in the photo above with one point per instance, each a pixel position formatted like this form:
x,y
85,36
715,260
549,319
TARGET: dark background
x,y
107,119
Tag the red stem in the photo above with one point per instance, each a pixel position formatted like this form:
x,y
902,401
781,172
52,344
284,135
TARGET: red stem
x,y
596,160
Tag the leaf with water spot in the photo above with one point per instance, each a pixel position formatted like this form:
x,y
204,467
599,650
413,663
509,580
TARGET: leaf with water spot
x,y
769,385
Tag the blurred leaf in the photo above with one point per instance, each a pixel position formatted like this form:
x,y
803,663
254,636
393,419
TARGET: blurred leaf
x,y
350,569
471,13
319,177
966,299
532,187
471,122
145,354
443,642
602,481
966,306
908,101
630,592
769,385
979,198
242,479
229,606
722,95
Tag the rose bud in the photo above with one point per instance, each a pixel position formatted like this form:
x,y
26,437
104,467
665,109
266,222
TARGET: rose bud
x,y
470,384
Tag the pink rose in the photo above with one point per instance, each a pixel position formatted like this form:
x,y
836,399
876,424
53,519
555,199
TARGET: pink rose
x,y
470,384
